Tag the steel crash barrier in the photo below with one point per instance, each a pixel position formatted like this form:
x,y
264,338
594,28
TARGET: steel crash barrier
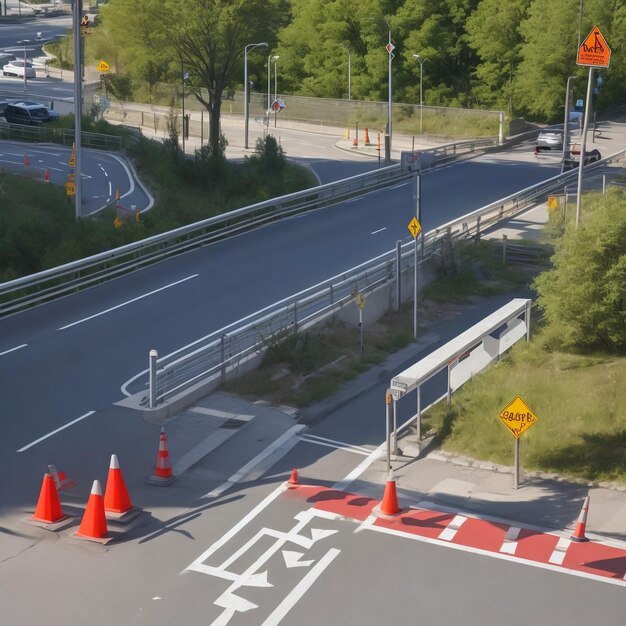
x,y
214,358
43,286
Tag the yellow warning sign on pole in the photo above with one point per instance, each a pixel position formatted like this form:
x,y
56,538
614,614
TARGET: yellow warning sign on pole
x,y
70,188
414,227
552,202
518,417
72,160
103,66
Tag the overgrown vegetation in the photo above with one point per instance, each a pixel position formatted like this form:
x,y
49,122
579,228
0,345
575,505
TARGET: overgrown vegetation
x,y
37,227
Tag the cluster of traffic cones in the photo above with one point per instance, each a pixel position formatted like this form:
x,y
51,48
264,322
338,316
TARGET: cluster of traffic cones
x,y
115,504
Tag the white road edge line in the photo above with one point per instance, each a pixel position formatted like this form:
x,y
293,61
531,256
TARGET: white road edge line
x,y
301,588
118,306
380,230
259,458
341,444
13,349
54,432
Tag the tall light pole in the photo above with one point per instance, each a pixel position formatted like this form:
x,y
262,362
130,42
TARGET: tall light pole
x,y
349,78
421,61
270,58
566,124
390,48
246,87
275,90
183,76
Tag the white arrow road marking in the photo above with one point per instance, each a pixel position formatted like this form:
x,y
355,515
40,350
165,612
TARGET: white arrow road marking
x,y
301,588
292,559
234,603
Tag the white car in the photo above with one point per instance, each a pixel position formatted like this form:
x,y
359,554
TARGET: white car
x,y
19,68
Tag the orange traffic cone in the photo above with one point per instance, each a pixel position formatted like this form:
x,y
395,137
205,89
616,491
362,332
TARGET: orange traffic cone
x,y
579,531
355,143
116,498
163,467
293,481
389,504
94,523
26,160
367,137
49,504
46,176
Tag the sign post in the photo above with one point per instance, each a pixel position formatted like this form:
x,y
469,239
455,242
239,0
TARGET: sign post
x,y
518,418
593,52
415,228
360,302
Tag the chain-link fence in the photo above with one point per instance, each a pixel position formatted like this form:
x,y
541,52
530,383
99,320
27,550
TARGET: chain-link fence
x,y
410,119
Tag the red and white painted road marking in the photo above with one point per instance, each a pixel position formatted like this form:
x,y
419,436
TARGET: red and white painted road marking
x,y
598,561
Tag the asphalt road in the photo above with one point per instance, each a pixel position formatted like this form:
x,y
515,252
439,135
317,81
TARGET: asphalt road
x,y
60,362
73,355
103,173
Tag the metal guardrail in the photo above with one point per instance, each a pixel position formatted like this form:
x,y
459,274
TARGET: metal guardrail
x,y
43,286
65,136
227,349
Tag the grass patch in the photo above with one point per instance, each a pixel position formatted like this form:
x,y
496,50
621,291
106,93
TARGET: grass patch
x,y
578,400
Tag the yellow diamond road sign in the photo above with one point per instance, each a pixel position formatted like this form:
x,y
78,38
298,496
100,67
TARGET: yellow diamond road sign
x,y
518,417
103,66
414,227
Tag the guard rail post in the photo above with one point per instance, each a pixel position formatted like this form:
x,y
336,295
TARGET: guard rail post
x,y
398,275
153,382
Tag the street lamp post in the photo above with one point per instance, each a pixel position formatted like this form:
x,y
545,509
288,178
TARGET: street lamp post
x,y
184,76
566,125
421,62
275,90
390,48
246,87
270,58
349,77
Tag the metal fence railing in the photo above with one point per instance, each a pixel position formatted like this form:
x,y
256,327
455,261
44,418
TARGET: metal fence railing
x,y
64,136
223,352
49,284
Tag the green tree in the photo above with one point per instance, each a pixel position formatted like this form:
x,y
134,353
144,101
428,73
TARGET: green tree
x,y
584,296
493,32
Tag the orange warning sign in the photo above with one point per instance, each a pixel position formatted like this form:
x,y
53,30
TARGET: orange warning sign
x,y
594,51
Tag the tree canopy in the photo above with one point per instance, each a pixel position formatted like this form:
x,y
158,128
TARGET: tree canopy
x,y
514,56
584,296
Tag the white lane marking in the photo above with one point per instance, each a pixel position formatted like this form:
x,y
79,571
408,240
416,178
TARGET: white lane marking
x,y
110,189
131,180
340,443
225,538
257,460
13,349
360,468
380,230
301,588
560,551
509,545
448,534
54,432
118,306
222,414
329,443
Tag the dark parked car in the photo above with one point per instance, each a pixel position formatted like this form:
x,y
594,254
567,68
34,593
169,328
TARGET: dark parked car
x,y
28,113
